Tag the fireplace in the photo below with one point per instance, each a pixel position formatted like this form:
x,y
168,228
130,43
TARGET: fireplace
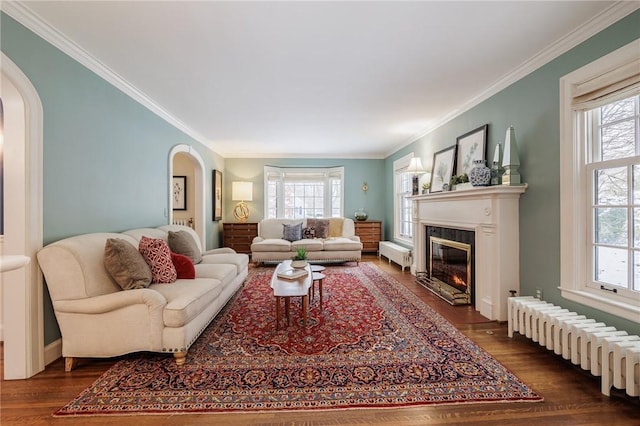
x,y
449,255
487,219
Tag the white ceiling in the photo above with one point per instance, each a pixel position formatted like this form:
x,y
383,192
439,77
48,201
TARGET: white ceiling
x,y
316,79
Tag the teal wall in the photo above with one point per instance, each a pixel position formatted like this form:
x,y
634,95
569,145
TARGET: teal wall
x,y
105,156
531,105
356,172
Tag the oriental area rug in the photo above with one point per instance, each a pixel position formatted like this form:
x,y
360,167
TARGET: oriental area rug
x,y
373,345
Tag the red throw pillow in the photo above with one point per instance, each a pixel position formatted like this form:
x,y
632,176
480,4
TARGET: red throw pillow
x,y
157,255
184,266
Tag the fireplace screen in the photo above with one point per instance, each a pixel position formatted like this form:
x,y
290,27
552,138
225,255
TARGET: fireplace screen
x,y
450,263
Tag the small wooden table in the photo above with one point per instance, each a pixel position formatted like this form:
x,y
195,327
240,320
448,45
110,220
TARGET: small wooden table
x,y
286,289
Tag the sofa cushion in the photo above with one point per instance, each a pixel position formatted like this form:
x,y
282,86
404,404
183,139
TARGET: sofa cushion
x,y
182,243
271,244
341,244
225,273
292,232
126,265
186,299
308,244
184,266
239,260
321,226
158,256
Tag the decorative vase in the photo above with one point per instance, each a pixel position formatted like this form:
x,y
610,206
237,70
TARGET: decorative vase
x,y
298,264
361,214
480,174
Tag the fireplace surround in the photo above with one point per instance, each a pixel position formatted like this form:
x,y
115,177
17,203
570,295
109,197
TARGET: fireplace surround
x,y
492,214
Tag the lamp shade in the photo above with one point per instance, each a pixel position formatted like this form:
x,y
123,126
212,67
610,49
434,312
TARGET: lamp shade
x,y
415,166
242,191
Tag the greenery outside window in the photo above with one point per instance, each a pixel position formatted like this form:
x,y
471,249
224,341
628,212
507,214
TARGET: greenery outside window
x,y
600,183
295,193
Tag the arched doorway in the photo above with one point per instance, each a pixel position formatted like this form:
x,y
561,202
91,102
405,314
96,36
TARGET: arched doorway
x,y
192,156
22,290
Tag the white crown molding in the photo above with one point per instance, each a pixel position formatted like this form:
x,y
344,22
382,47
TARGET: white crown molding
x,y
606,18
21,13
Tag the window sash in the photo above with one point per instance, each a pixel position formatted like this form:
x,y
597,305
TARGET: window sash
x,y
403,205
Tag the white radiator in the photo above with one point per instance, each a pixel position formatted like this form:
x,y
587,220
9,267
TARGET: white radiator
x,y
396,253
184,222
608,353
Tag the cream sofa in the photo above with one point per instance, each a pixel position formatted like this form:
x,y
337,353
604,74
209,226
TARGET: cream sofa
x,y
270,245
97,318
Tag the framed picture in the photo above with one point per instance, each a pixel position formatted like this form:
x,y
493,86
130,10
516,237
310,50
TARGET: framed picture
x,y
442,168
471,147
217,195
179,193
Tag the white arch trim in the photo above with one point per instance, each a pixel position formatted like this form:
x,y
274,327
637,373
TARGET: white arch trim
x,y
22,302
199,215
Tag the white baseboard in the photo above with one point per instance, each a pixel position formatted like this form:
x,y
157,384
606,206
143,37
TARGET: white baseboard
x,y
52,351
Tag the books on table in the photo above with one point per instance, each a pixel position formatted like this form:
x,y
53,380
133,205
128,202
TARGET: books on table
x,y
292,274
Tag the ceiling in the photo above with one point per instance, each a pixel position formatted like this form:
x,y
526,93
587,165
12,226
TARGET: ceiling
x,y
353,79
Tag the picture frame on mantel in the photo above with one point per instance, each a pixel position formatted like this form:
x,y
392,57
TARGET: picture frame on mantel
x,y
217,195
442,168
470,147
179,186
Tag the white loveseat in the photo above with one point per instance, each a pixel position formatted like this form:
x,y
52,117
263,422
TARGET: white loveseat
x,y
97,318
340,245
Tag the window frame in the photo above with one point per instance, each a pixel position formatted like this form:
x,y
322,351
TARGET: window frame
x,y
576,198
399,172
329,174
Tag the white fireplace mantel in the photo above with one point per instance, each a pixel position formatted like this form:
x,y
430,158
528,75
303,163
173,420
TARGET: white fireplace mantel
x,y
493,214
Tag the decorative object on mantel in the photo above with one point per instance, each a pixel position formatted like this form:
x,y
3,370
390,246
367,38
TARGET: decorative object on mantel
x,y
480,174
442,169
415,168
459,182
511,161
361,214
241,191
496,170
470,147
425,187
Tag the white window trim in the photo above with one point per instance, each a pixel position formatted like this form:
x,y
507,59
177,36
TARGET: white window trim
x,y
399,166
325,170
574,192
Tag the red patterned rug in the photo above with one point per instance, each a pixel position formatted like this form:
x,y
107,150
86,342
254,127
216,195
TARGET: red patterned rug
x,y
375,344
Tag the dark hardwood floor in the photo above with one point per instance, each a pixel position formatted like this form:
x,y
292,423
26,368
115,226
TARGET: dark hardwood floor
x,y
572,395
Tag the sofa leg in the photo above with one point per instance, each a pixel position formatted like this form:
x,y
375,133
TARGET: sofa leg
x,y
70,363
180,357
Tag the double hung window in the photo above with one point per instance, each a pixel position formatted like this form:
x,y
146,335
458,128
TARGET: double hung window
x,y
402,184
293,193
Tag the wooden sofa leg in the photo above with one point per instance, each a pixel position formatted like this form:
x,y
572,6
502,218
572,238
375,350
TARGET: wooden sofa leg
x,y
180,357
70,363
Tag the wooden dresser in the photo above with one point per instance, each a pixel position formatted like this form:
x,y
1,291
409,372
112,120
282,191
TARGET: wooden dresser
x,y
370,233
239,236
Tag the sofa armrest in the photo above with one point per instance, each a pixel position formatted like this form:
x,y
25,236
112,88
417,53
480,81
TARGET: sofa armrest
x,y
221,250
257,240
111,302
355,238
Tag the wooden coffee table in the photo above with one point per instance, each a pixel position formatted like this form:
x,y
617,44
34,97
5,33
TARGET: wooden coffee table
x,y
286,289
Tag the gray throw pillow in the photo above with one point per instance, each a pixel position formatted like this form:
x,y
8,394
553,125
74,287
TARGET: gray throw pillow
x,y
182,242
293,232
126,265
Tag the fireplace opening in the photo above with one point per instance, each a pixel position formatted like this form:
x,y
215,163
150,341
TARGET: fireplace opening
x,y
450,263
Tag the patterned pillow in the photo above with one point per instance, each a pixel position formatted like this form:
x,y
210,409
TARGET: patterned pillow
x,y
321,226
184,266
158,256
125,264
293,232
308,233
181,242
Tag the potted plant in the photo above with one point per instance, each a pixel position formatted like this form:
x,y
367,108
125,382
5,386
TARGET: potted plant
x,y
300,259
460,182
425,187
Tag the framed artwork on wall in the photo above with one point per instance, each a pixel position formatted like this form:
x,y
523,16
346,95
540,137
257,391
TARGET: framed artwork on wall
x,y
179,193
471,147
442,168
217,195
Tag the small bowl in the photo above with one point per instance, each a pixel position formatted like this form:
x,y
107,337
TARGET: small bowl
x,y
298,264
